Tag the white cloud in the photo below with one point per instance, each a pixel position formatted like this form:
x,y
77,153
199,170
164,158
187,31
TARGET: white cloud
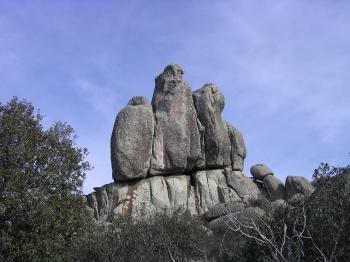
x,y
291,57
101,98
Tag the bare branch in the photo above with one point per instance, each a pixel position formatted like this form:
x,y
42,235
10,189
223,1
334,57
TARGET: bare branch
x,y
222,242
171,256
317,248
284,237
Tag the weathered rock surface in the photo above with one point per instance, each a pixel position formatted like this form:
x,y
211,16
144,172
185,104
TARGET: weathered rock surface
x,y
242,185
259,171
212,188
221,209
209,103
298,184
131,141
144,198
92,206
274,186
100,201
245,214
177,154
196,194
176,144
238,149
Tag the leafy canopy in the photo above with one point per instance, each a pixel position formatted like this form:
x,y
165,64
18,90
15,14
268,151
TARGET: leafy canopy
x,y
41,175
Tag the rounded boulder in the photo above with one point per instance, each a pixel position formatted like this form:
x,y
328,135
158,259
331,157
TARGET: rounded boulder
x,y
259,171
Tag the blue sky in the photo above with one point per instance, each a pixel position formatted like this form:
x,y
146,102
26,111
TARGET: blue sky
x,y
283,67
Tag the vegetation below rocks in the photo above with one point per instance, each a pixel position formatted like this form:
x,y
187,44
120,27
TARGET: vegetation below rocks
x,y
315,228
158,239
42,212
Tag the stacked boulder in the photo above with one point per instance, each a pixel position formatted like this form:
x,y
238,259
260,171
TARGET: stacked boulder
x,y
131,142
176,140
274,187
276,190
177,154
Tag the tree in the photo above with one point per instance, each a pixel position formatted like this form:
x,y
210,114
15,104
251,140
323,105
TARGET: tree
x,y
41,175
328,211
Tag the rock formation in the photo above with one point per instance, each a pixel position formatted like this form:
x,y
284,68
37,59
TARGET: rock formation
x,y
298,185
177,154
238,150
259,171
209,103
176,145
131,142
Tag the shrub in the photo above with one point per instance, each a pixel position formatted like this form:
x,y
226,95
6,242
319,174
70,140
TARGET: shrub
x,y
315,228
162,238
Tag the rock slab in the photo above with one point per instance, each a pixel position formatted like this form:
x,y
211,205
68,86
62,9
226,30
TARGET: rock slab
x,y
209,103
298,185
195,194
275,187
259,171
238,149
176,144
131,141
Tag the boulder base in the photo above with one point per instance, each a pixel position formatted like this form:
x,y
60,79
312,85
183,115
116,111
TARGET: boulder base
x,y
195,194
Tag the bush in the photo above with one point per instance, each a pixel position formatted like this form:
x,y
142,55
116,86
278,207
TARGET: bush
x,y
315,228
163,238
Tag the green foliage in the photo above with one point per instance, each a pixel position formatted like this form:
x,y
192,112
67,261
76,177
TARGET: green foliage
x,y
261,202
328,212
41,174
162,238
314,228
226,245
305,228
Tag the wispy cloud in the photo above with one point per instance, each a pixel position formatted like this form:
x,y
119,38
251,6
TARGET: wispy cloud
x,y
102,99
290,58
282,66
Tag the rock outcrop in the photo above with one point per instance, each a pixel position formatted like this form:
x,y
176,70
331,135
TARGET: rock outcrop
x,y
212,188
298,185
195,194
259,171
132,139
177,154
176,145
238,149
209,103
275,187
